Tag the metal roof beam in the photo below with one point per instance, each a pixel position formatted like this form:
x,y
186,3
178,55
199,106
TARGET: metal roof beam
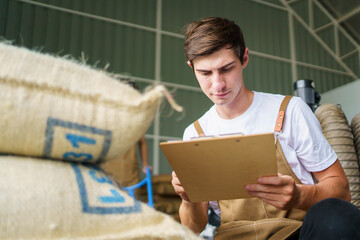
x,y
349,14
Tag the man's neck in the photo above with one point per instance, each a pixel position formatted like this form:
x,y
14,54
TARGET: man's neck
x,y
237,107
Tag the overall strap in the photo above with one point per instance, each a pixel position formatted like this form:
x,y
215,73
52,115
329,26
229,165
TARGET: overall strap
x,y
281,114
198,128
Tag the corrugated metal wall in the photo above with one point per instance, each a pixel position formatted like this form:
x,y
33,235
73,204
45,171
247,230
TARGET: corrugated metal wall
x,y
142,40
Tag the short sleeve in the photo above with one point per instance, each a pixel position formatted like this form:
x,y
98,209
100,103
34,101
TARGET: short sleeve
x,y
307,140
189,132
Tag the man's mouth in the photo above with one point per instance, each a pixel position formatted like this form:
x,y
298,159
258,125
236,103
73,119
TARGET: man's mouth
x,y
221,94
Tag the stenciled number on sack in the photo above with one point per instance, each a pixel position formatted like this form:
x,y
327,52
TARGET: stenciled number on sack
x,y
110,199
84,147
115,196
75,141
86,143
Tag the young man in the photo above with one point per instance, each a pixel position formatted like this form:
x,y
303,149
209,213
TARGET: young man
x,y
216,52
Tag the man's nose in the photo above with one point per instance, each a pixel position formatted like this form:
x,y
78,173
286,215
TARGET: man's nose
x,y
218,82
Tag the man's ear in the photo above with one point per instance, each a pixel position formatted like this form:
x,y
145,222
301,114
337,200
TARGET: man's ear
x,y
246,58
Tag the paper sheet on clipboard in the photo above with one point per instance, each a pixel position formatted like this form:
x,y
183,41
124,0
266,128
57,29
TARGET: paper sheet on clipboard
x,y
219,168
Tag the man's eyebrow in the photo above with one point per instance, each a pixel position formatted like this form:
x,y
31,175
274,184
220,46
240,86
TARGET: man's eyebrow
x,y
222,67
225,66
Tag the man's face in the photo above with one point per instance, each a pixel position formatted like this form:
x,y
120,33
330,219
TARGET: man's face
x,y
220,76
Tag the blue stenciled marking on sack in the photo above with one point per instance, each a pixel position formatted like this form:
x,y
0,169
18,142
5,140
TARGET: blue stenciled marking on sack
x,y
76,140
71,156
114,197
101,179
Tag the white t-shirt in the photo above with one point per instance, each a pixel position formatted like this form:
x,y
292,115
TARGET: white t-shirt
x,y
302,141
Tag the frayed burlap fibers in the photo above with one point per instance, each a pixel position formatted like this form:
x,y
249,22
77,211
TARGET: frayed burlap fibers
x,y
60,109
43,199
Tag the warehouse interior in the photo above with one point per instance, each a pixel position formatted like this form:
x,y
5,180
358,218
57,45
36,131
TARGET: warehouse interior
x,y
142,41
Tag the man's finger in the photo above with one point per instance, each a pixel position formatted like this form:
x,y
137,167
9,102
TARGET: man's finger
x,y
276,180
264,188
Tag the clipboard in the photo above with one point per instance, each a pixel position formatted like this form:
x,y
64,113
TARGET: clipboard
x,y
219,168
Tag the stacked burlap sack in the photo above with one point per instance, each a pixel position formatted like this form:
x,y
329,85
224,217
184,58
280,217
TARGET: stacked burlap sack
x,y
165,198
46,199
59,120
339,135
355,126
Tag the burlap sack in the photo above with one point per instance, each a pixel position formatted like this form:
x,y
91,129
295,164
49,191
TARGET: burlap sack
x,y
61,200
125,170
55,108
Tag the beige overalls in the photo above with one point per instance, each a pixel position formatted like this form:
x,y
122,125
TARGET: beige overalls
x,y
252,218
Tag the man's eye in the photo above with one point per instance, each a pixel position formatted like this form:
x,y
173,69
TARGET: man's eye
x,y
226,69
205,73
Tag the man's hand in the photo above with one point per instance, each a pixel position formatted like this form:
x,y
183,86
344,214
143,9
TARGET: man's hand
x,y
279,191
144,168
192,215
178,187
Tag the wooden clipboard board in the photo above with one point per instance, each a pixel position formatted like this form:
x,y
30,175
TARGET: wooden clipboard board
x,y
219,168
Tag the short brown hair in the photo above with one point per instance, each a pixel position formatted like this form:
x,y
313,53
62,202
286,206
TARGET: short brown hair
x,y
208,35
